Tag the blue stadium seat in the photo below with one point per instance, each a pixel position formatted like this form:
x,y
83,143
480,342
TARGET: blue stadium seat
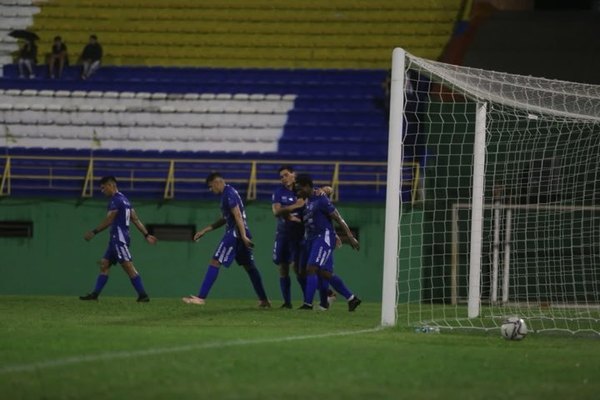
x,y
336,116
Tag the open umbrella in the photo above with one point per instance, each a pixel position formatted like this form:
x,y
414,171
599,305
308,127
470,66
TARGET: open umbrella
x,y
23,34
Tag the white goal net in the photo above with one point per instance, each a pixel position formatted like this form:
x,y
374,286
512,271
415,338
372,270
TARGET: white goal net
x,y
507,220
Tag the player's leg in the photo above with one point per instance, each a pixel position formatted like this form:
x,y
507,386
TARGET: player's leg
x,y
257,284
210,277
282,258
245,258
319,253
309,267
224,255
101,279
124,258
324,290
300,257
136,281
312,283
285,284
338,284
323,293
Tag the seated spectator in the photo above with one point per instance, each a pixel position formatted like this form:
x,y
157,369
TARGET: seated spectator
x,y
27,59
91,57
57,58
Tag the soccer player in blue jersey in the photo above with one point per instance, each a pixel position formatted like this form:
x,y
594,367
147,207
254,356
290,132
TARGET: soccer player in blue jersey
x,y
120,214
236,243
290,232
320,243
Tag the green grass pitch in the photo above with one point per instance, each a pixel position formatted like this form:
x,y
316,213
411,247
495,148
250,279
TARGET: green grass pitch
x,y
63,348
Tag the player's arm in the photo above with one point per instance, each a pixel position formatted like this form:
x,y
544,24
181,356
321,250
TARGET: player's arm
x,y
239,223
338,241
215,225
140,226
324,191
279,210
335,215
106,222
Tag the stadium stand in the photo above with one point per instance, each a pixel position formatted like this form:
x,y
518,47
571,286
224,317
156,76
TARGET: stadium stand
x,y
257,33
261,80
14,14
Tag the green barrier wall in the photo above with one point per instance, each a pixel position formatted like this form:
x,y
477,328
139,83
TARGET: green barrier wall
x,y
57,261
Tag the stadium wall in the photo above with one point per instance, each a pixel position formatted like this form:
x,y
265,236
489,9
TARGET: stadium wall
x,y
57,261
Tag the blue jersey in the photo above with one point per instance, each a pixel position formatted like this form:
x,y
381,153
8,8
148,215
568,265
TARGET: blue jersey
x,y
119,230
287,197
229,200
316,217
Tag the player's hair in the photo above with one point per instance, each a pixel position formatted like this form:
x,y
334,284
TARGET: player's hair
x,y
94,37
284,167
108,179
212,176
304,180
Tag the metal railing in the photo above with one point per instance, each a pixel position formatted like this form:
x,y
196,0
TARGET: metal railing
x,y
255,175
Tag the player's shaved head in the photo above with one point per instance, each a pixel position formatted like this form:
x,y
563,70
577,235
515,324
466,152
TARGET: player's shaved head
x,y
108,179
212,176
304,180
286,167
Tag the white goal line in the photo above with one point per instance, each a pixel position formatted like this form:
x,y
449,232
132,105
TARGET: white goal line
x,y
115,355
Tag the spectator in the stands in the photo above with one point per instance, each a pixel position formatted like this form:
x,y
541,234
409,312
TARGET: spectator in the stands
x,y
91,57
57,58
27,59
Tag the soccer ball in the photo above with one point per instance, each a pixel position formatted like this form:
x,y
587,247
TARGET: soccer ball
x,y
513,328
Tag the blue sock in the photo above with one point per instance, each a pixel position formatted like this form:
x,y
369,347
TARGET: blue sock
x,y
323,289
285,283
302,282
138,285
256,280
339,286
100,282
209,279
311,287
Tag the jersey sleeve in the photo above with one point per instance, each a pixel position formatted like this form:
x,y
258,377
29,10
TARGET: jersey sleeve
x,y
231,199
115,204
326,205
275,197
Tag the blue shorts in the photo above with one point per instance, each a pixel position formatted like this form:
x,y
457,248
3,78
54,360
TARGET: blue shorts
x,y
232,248
117,252
286,249
319,251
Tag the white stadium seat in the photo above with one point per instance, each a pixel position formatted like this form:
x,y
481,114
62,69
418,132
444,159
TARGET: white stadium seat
x,y
143,120
191,96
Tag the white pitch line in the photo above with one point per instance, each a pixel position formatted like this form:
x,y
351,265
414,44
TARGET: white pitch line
x,y
60,362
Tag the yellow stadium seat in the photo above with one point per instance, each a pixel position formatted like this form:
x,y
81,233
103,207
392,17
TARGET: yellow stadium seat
x,y
251,33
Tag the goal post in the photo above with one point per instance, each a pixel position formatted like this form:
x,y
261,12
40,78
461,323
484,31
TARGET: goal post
x,y
477,210
394,183
508,216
